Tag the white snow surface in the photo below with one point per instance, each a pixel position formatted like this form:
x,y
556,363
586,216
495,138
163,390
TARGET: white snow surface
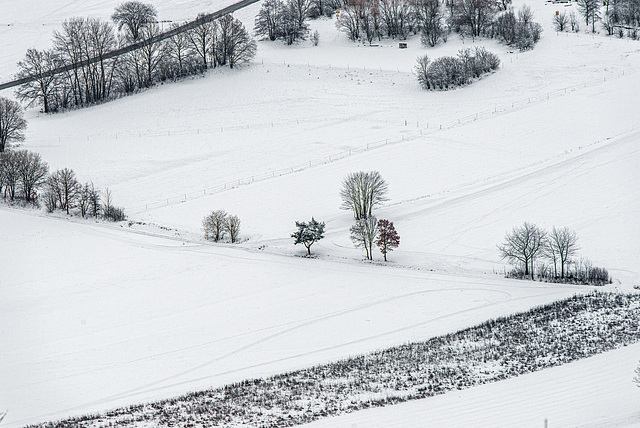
x,y
94,316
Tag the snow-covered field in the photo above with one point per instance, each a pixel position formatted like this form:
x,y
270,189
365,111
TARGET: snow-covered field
x,y
94,316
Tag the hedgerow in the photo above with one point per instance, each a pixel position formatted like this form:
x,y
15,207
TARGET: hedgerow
x,y
543,337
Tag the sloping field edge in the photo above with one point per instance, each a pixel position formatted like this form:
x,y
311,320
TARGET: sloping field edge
x,y
545,336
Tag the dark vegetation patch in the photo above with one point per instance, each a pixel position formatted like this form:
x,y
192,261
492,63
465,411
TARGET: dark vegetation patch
x,y
546,336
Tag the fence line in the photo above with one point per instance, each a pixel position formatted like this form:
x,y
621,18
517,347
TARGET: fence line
x,y
420,132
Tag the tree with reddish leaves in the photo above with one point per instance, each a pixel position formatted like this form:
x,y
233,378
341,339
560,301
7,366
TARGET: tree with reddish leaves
x,y
388,238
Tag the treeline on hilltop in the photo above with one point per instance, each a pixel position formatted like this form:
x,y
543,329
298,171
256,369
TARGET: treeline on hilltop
x,y
224,41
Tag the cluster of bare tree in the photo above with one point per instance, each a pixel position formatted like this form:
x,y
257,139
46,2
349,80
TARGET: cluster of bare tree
x,y
23,174
63,191
526,244
517,28
434,19
221,42
450,72
286,19
361,192
218,223
373,19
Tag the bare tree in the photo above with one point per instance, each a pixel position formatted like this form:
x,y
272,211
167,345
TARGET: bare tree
x,y
94,202
70,48
573,21
84,198
38,64
232,227
560,21
99,40
315,38
108,199
268,21
421,70
150,54
522,245
203,41
179,48
12,122
133,16
66,187
300,10
364,233
348,20
214,225
368,15
562,244
590,11
475,15
53,194
109,211
429,19
388,238
395,15
32,173
235,44
362,191
9,173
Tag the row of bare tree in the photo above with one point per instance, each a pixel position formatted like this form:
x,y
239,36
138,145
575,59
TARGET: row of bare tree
x,y
224,41
23,174
434,19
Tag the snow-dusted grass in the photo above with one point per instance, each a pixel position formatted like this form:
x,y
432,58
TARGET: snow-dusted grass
x,y
496,350
593,392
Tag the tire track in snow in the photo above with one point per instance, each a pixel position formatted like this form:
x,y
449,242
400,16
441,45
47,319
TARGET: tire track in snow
x,y
155,386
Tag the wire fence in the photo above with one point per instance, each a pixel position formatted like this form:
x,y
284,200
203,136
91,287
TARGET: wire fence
x,y
422,129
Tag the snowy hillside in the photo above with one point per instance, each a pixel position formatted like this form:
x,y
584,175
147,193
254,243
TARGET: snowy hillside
x,y
97,316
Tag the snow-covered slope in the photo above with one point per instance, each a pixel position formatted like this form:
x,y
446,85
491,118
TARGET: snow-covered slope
x,y
96,317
